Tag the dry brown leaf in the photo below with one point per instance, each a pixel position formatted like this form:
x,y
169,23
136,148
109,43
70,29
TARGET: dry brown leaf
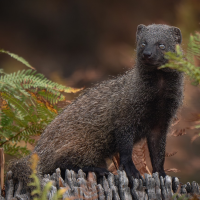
x,y
170,154
112,169
195,137
177,133
176,121
60,183
172,170
138,156
116,161
114,166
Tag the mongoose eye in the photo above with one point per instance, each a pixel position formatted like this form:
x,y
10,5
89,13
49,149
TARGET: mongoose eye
x,y
162,46
143,45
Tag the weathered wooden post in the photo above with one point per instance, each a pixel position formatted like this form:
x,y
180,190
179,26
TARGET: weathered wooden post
x,y
2,162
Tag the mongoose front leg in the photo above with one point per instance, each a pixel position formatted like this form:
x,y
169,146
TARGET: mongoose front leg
x,y
156,144
125,140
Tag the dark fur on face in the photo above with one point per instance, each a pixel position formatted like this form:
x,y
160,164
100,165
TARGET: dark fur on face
x,y
153,41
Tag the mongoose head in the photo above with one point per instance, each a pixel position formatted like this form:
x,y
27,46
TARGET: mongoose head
x,y
153,41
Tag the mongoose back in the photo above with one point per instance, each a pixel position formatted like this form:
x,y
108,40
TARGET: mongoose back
x,y
115,114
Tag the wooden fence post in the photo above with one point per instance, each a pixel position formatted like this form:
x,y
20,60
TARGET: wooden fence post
x,y
2,162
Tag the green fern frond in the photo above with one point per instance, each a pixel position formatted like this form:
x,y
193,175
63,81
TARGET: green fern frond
x,y
27,105
186,63
15,150
20,59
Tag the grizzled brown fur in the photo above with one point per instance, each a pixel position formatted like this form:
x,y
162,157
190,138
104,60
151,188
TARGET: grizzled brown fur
x,y
114,115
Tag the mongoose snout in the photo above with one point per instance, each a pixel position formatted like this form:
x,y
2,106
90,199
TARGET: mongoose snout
x,y
147,54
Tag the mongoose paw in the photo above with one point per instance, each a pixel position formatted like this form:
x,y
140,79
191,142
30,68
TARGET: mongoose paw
x,y
98,170
131,172
101,172
162,173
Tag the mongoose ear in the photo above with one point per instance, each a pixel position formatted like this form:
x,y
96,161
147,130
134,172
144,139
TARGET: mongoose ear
x,y
177,34
139,30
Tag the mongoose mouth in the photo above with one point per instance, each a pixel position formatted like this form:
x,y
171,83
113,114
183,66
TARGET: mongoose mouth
x,y
153,62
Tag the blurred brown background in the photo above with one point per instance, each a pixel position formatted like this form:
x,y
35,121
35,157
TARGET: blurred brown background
x,y
81,42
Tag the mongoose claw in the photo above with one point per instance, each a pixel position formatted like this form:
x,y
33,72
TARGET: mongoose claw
x,y
131,172
163,174
121,167
103,173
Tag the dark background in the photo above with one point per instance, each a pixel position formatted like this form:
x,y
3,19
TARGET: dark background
x,y
81,42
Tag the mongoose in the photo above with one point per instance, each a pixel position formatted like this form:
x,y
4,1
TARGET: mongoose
x,y
115,114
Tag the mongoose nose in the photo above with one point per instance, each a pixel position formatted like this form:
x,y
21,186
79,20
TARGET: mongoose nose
x,y
147,54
